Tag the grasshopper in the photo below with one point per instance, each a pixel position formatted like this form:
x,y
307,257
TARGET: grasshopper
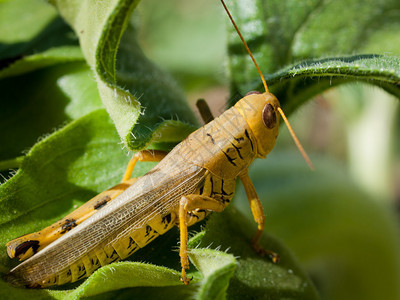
x,y
196,178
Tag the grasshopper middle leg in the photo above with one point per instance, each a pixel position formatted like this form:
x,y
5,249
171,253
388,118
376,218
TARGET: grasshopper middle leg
x,y
190,203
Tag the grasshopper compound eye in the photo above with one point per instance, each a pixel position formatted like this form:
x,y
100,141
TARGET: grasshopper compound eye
x,y
269,116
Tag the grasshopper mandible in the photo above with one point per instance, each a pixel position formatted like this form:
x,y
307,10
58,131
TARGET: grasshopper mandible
x,y
197,177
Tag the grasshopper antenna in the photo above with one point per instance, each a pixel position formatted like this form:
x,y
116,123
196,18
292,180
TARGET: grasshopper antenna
x,y
296,140
247,47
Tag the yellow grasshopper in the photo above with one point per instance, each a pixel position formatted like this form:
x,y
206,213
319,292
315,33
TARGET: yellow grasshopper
x,y
197,177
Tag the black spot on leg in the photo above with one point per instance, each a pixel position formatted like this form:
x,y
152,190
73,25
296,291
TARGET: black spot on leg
x,y
68,225
102,202
25,246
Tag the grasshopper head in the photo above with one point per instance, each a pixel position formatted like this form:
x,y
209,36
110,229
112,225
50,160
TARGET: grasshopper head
x,y
261,114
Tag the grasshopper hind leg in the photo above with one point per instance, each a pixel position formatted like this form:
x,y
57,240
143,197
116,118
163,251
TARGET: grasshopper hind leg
x,y
29,244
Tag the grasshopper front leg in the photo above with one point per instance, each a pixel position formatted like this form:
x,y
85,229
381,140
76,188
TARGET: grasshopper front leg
x,y
258,215
190,203
29,244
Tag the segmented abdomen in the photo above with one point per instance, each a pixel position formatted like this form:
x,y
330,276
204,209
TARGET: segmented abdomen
x,y
104,254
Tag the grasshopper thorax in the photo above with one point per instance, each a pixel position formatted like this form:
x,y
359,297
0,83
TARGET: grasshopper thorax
x,y
261,114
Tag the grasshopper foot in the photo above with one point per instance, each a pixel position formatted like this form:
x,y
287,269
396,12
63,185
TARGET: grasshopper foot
x,y
274,257
184,278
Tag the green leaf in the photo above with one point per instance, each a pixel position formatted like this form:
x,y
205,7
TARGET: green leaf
x,y
100,28
30,27
39,55
255,277
50,57
217,268
316,39
50,96
297,84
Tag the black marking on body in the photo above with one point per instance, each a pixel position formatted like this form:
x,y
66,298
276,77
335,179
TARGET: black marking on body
x,y
222,189
52,280
212,139
230,159
151,238
131,242
82,276
166,220
148,230
238,150
202,211
95,262
248,137
68,225
114,253
25,246
192,214
239,139
201,184
102,202
201,190
80,269
197,213
69,273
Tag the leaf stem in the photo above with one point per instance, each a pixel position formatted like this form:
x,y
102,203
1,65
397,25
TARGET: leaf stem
x,y
13,163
